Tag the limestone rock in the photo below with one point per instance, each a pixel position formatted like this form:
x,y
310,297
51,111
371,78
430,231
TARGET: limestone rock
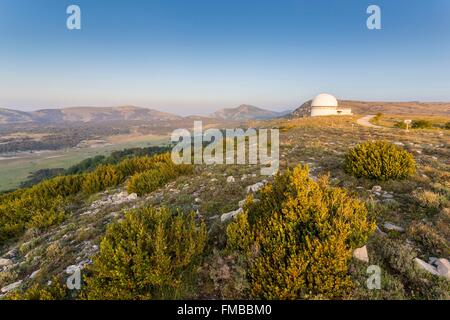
x,y
426,266
376,189
5,262
443,267
230,215
255,187
11,286
392,227
361,254
34,274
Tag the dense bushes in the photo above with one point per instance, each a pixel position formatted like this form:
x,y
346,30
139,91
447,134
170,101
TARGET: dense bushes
x,y
150,180
421,124
149,255
44,204
416,124
379,160
298,239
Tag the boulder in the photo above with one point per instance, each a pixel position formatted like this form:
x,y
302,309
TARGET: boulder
x,y
34,274
392,227
361,254
426,266
11,286
132,197
5,262
376,189
443,267
230,215
255,187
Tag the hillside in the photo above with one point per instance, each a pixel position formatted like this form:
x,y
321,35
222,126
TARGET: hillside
x,y
68,226
245,112
85,114
373,107
14,116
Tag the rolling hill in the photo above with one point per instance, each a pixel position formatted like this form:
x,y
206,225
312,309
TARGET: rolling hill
x,y
246,112
373,107
85,114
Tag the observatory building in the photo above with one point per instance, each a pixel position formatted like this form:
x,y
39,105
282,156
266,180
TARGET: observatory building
x,y
322,105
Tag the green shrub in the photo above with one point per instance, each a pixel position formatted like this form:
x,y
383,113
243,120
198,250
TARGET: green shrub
x,y
150,180
56,291
151,254
298,239
379,160
421,124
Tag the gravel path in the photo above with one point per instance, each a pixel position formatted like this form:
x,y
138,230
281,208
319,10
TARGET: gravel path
x,y
365,122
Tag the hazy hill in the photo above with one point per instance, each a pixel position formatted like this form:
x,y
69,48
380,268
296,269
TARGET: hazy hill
x,y
14,116
85,114
246,112
373,107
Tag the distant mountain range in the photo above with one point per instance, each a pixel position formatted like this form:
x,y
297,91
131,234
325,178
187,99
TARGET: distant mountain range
x,y
241,113
125,113
84,114
247,112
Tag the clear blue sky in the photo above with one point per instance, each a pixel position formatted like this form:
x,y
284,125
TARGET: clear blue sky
x,y
195,56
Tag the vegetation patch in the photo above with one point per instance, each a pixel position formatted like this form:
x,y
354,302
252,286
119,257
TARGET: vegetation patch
x,y
151,254
298,239
379,160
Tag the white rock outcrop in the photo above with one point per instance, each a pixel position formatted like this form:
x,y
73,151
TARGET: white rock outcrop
x,y
5,262
255,187
426,266
230,215
361,254
443,267
392,227
11,286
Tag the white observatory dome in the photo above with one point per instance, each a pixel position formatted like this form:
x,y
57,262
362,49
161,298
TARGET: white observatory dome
x,y
324,100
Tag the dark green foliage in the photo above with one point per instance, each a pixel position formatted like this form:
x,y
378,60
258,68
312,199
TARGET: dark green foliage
x,y
415,124
41,175
298,239
115,157
151,254
44,204
56,291
150,180
421,124
379,160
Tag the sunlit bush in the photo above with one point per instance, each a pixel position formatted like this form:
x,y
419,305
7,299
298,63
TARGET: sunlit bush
x,y
379,160
298,239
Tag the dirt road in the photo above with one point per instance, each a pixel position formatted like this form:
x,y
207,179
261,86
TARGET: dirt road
x,y
365,122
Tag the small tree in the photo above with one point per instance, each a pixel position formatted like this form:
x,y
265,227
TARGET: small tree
x,y
379,160
298,239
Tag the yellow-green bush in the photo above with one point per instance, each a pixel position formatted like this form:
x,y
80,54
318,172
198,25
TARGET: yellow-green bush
x,y
150,180
44,204
298,239
379,160
56,291
151,254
